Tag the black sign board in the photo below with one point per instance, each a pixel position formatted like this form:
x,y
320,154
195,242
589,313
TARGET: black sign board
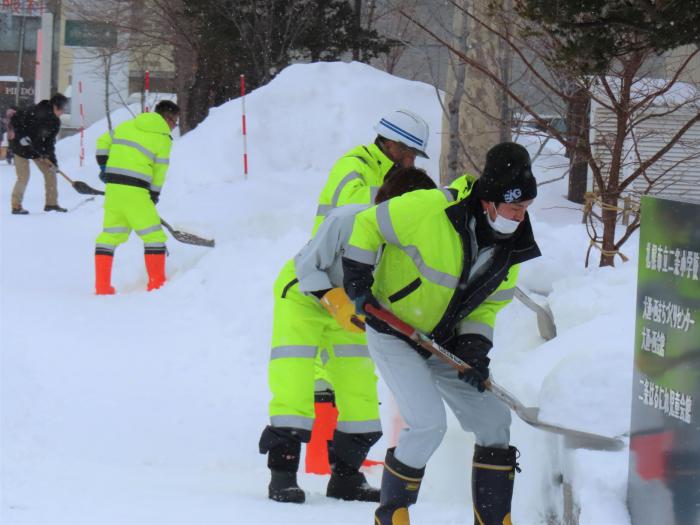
x,y
8,94
80,33
664,467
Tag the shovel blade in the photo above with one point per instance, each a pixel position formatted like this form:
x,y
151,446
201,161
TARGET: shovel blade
x,y
187,238
84,189
190,238
573,438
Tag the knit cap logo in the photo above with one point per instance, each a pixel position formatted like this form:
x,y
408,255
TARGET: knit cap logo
x,y
512,195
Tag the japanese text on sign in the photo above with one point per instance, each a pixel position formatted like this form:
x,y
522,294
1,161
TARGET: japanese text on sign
x,y
682,263
672,403
668,313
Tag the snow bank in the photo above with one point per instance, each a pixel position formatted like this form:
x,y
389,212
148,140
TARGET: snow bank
x,y
147,407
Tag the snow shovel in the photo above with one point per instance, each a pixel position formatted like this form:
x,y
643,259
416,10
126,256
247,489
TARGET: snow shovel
x,y
187,238
79,186
529,415
545,319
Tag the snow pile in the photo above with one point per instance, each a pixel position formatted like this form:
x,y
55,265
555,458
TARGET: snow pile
x,y
147,407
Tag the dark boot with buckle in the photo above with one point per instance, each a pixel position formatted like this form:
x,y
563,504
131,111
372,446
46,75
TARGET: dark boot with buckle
x,y
400,486
493,475
345,455
283,452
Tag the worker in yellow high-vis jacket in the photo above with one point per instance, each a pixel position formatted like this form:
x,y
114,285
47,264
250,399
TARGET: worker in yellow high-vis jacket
x,y
133,162
356,177
312,314
449,262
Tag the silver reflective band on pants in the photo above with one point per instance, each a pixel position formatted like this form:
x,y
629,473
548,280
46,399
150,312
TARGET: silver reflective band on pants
x,y
420,386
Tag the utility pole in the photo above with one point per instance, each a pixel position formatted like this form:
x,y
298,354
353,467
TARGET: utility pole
x,y
20,57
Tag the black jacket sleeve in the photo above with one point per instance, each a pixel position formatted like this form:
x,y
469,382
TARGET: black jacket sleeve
x,y
20,124
357,278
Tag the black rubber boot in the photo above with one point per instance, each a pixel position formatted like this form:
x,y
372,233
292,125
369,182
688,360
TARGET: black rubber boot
x,y
345,455
349,484
283,449
493,475
283,487
400,486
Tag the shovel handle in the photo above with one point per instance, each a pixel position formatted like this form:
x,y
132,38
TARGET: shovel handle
x,y
390,319
52,165
528,415
421,339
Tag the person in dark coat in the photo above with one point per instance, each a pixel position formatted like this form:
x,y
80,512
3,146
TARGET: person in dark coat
x,y
35,131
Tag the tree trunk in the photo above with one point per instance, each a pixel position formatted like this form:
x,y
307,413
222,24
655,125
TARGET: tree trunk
x,y
358,25
607,254
578,180
451,148
578,127
198,100
480,103
506,58
107,63
185,59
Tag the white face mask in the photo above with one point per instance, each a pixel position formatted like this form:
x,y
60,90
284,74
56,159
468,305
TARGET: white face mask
x,y
501,224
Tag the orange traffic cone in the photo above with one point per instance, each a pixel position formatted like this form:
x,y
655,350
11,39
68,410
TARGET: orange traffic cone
x,y
155,266
103,274
321,434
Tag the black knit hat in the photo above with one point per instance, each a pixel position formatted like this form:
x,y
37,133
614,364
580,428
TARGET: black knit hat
x,y
507,175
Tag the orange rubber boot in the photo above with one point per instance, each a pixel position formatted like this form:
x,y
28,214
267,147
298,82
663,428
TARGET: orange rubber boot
x,y
103,274
155,266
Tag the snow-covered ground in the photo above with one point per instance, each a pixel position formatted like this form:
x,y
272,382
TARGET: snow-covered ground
x,y
146,408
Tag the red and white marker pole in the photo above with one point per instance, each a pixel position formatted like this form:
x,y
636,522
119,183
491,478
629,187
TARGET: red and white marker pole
x,y
82,123
147,89
243,128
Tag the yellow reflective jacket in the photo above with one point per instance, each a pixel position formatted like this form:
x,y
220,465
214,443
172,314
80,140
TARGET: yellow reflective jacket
x,y
430,273
354,179
138,152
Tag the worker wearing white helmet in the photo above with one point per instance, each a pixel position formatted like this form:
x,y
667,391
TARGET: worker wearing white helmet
x,y
356,176
406,128
354,179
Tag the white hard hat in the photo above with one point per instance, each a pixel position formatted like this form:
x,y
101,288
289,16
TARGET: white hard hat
x,y
407,128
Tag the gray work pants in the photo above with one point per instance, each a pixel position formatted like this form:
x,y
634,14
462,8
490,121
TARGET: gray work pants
x,y
420,386
22,170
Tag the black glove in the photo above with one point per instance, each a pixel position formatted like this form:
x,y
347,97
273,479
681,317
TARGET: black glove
x,y
154,196
473,350
103,174
357,281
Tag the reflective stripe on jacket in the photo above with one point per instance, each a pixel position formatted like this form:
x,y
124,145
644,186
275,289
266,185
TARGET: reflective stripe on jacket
x,y
138,152
425,273
354,179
